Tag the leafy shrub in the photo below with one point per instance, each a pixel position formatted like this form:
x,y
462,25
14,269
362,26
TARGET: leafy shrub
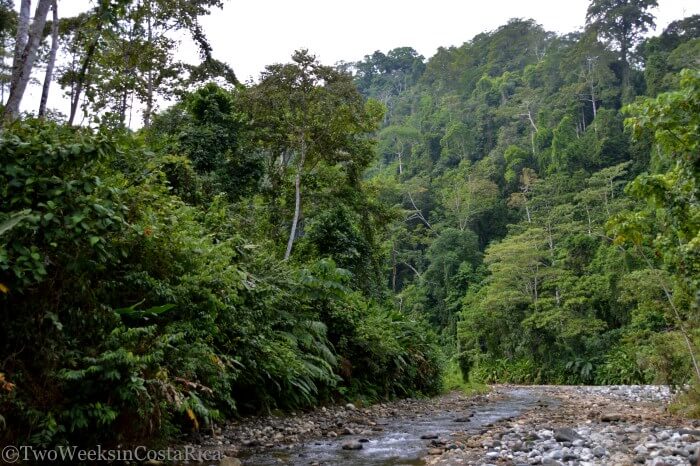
x,y
522,371
669,359
130,314
621,366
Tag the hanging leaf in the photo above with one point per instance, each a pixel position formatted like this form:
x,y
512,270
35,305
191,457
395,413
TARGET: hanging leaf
x,y
131,311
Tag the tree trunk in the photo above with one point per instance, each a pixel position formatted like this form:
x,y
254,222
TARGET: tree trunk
x,y
20,39
26,60
595,111
52,61
591,69
626,91
122,107
536,283
588,215
80,81
149,91
297,203
393,268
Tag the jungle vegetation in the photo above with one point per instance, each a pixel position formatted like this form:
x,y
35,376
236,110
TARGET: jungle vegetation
x,y
525,206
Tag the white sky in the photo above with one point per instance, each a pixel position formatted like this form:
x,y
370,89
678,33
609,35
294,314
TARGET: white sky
x,y
251,34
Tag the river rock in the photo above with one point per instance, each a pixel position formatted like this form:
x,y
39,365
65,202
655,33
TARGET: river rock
x,y
428,436
566,435
352,445
641,450
612,417
550,462
226,461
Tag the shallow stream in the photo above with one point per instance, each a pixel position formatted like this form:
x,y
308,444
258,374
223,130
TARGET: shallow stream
x,y
400,443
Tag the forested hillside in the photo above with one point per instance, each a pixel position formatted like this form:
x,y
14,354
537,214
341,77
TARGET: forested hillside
x,y
548,239
524,205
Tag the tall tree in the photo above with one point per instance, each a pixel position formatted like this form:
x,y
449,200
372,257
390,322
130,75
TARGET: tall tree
x,y
466,195
92,27
8,24
51,60
21,35
126,50
312,114
621,22
24,62
397,142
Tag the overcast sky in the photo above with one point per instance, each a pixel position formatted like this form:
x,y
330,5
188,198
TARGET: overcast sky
x,y
251,34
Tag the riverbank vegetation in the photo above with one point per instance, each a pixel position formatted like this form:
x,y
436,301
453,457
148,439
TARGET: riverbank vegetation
x,y
526,203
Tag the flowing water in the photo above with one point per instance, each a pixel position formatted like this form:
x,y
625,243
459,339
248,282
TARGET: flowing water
x,y
400,442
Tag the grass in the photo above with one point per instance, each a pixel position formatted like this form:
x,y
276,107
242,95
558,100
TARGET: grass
x,y
687,403
453,380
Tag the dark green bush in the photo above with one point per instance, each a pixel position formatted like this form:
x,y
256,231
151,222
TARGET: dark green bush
x,y
129,312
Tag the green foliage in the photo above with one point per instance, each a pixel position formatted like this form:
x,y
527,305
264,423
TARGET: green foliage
x,y
522,371
622,23
454,380
151,314
64,215
208,130
460,221
518,136
624,365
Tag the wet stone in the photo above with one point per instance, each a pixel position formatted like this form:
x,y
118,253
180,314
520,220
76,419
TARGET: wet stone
x,y
352,445
566,435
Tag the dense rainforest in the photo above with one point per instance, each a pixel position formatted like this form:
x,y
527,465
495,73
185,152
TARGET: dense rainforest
x,y
550,185
521,208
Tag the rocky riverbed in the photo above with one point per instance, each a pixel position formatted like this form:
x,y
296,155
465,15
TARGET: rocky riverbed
x,y
619,425
614,425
